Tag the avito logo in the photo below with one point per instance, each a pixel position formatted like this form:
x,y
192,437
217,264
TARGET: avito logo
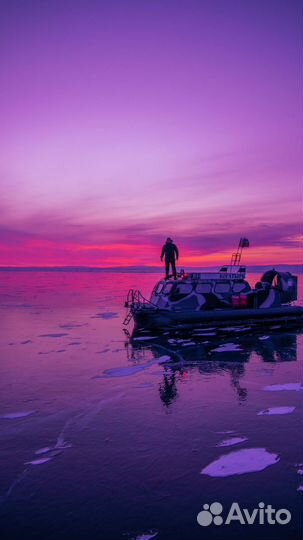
x,y
211,514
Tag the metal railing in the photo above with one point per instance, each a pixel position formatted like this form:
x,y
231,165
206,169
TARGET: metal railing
x,y
134,301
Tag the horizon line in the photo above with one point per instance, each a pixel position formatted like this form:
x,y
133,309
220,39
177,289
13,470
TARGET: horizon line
x,y
151,268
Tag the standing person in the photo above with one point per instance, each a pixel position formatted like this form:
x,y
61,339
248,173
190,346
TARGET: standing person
x,y
171,254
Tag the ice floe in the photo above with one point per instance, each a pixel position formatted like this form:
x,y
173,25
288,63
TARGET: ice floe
x,y
231,441
227,347
15,415
263,338
300,488
280,387
272,411
241,462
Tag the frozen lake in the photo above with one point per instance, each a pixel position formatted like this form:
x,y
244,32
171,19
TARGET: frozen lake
x,y
106,439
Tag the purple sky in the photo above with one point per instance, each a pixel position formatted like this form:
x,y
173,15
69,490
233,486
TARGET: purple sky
x,y
123,122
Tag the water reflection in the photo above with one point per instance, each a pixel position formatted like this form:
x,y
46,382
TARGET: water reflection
x,y
190,352
168,388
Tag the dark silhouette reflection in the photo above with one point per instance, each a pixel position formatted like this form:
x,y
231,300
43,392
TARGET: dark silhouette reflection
x,y
236,375
210,354
168,388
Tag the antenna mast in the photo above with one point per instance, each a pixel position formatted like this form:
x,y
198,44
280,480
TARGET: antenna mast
x,y
236,257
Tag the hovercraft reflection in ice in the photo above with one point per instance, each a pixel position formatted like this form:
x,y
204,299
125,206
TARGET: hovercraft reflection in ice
x,y
218,298
204,357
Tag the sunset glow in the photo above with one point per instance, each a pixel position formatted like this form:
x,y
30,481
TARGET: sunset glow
x,y
126,122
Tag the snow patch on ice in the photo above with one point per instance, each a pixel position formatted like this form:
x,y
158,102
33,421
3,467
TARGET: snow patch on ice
x,y
44,450
280,387
203,331
133,370
272,411
13,416
38,461
144,338
241,462
124,371
146,536
227,347
232,441
229,432
161,359
207,334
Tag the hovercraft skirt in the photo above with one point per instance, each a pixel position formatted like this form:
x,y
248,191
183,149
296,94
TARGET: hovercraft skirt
x,y
162,318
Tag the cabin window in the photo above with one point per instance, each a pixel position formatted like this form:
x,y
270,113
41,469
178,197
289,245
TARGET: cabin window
x,y
222,288
203,288
239,287
183,288
159,288
168,287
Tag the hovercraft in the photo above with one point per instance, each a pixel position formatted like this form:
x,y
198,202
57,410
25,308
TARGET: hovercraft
x,y
218,299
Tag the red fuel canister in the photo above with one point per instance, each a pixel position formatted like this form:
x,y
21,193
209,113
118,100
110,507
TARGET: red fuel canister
x,y
235,301
243,300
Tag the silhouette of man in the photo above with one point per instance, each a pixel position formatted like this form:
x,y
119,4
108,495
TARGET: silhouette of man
x,y
171,254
